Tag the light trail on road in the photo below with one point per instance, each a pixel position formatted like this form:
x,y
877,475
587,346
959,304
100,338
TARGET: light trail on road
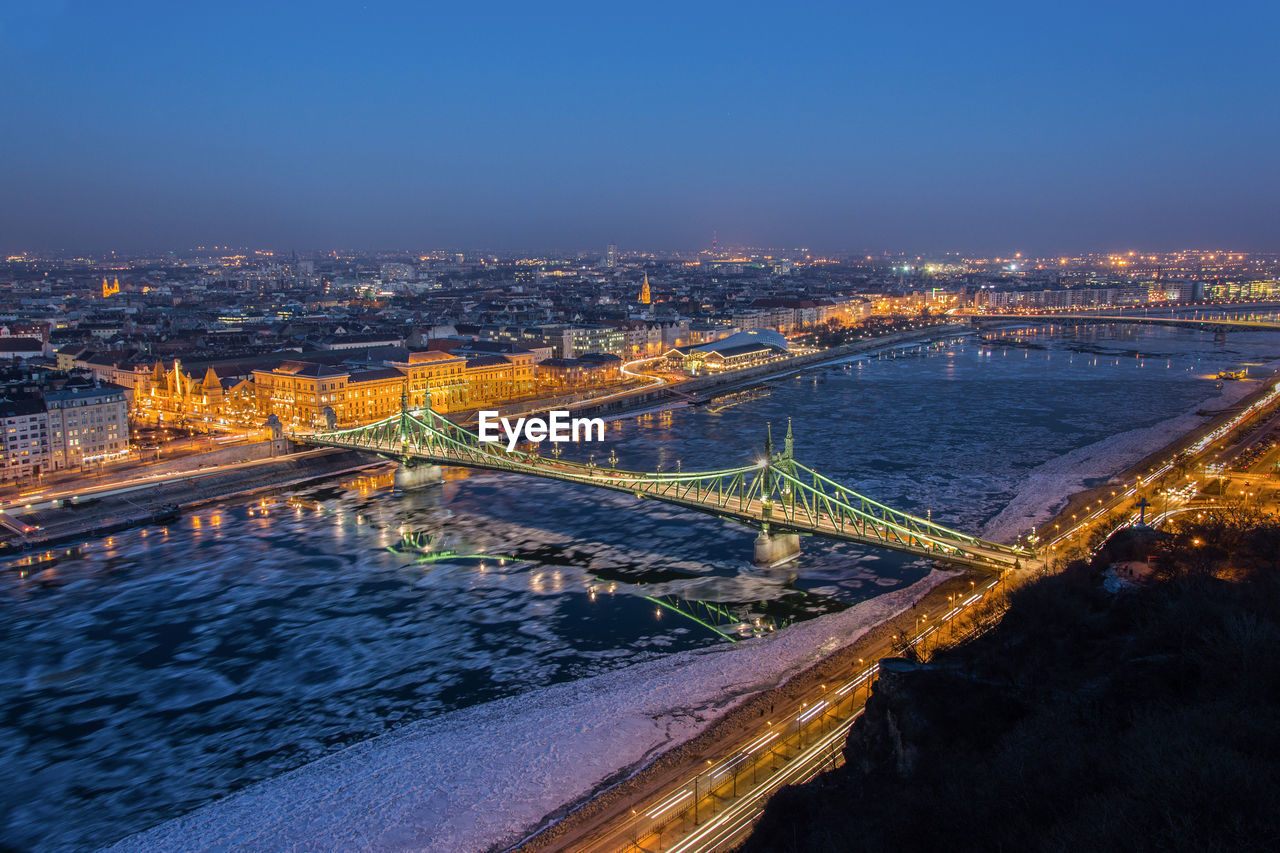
x,y
725,826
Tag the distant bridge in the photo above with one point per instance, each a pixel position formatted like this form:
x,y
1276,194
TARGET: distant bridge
x,y
776,494
1217,325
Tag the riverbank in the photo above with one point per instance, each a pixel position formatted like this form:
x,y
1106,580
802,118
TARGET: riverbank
x,y
130,506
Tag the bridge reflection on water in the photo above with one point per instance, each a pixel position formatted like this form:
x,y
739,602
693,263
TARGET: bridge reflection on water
x,y
728,622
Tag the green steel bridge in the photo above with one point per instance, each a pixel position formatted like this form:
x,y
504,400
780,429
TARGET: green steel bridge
x,y
776,495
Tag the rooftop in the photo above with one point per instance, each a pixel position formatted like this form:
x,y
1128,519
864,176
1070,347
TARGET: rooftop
x,y
377,375
750,338
309,368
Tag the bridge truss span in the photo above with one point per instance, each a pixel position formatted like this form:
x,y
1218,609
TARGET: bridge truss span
x,y
776,494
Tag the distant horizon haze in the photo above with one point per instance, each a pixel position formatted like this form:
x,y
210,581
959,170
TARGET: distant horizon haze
x,y
797,253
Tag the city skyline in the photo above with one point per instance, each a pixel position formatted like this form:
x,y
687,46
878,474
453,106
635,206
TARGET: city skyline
x,y
379,124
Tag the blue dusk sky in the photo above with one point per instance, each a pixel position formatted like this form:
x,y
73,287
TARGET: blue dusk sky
x,y
1041,127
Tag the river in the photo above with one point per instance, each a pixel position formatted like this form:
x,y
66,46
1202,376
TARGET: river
x,y
159,669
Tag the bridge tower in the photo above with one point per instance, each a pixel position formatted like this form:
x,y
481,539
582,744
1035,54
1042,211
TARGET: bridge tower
x,y
412,474
774,549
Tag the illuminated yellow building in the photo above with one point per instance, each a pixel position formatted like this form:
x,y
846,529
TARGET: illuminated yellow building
x,y
493,378
174,396
443,374
299,392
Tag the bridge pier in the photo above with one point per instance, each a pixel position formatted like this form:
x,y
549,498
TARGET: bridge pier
x,y
416,476
774,549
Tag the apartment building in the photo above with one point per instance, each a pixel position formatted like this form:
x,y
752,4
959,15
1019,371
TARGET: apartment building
x,y
87,425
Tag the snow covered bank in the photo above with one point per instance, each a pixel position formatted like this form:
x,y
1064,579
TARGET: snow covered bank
x,y
482,775
1047,487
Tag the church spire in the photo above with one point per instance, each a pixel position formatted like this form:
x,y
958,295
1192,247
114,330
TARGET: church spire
x,y
644,291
